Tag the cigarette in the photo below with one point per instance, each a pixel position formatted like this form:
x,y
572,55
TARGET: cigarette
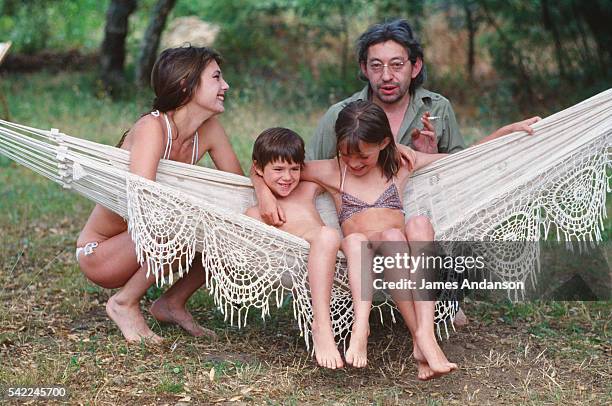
x,y
432,118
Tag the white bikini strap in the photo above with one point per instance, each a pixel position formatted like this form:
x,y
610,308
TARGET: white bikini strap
x,y
196,153
169,135
343,177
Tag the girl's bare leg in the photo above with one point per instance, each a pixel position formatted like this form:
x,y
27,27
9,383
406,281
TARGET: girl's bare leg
x,y
419,230
403,299
461,319
354,248
324,246
171,306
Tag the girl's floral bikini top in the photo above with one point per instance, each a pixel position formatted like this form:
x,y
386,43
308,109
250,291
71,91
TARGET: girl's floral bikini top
x,y
389,199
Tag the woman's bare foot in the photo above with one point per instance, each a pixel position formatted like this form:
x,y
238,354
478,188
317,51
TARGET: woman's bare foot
x,y
357,353
461,319
433,354
163,310
130,321
326,351
424,372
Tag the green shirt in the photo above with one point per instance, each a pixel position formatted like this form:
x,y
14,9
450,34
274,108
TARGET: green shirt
x,y
323,144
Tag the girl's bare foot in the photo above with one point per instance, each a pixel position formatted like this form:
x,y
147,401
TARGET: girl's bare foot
x,y
424,372
326,351
357,353
163,310
431,351
461,319
130,321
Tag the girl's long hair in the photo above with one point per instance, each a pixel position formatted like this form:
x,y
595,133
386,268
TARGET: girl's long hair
x,y
362,120
176,75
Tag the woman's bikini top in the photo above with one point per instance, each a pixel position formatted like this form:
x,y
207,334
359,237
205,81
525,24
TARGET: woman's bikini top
x,y
194,153
350,205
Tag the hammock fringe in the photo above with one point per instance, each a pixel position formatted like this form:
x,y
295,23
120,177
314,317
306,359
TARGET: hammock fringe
x,y
557,179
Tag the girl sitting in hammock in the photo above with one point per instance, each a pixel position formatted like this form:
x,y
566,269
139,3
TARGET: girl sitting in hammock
x,y
368,169
189,94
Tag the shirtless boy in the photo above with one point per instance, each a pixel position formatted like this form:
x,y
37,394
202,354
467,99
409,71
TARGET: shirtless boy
x,y
278,158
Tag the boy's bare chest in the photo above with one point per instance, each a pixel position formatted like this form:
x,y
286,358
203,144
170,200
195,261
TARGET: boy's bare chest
x,y
300,213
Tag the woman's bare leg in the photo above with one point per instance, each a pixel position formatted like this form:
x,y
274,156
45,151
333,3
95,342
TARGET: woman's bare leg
x,y
171,306
124,308
112,263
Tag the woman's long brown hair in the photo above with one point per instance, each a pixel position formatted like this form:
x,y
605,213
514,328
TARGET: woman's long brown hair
x,y
176,75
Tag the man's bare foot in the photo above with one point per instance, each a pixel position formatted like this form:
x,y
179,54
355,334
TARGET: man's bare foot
x,y
357,353
130,321
424,372
460,319
326,351
433,354
164,311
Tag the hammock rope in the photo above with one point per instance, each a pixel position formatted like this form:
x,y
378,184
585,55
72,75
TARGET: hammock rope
x,y
516,188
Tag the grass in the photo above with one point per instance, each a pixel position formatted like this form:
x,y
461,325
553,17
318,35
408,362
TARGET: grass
x,y
53,329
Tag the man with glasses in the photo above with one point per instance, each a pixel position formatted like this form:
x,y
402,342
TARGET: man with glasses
x,y
391,61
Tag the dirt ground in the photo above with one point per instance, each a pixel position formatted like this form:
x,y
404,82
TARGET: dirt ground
x,y
54,331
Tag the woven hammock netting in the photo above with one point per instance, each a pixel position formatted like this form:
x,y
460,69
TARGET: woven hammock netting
x,y
517,188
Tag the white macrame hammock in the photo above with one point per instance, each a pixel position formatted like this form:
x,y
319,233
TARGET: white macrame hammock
x,y
511,189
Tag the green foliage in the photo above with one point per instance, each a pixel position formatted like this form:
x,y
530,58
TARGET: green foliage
x,y
272,46
37,25
544,47
300,53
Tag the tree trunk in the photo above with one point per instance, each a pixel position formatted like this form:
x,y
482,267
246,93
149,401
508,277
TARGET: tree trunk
x,y
549,24
150,42
586,53
597,17
470,22
345,43
112,53
510,51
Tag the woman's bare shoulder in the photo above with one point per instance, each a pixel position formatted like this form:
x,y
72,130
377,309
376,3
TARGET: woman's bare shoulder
x,y
147,129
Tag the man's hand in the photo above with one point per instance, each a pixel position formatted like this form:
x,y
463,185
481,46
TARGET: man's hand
x,y
425,140
408,156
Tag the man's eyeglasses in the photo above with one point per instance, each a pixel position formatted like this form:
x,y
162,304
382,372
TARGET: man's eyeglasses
x,y
394,66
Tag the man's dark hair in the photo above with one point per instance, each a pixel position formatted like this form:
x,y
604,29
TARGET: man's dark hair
x,y
397,30
278,144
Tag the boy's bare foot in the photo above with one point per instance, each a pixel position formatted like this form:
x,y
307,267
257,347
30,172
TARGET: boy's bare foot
x,y
431,351
163,311
460,319
326,351
130,321
424,372
357,353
